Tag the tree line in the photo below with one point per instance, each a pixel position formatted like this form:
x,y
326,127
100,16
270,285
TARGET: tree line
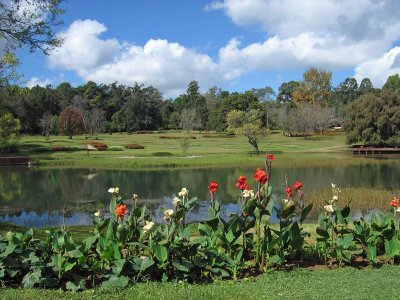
x,y
299,108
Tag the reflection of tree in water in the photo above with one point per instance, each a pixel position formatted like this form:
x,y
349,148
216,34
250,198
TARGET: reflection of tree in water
x,y
10,188
71,184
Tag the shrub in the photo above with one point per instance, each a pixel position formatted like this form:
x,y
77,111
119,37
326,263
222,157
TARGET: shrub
x,y
222,135
170,137
162,154
58,148
98,145
116,148
144,132
133,146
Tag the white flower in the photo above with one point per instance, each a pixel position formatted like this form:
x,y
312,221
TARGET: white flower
x,y
248,193
176,201
285,201
334,198
97,213
333,185
168,214
147,226
329,208
113,190
398,210
184,192
135,196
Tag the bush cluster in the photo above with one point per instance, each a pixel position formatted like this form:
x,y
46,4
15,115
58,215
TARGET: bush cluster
x,y
98,145
133,146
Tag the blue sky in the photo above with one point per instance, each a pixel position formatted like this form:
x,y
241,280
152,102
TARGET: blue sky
x,y
234,44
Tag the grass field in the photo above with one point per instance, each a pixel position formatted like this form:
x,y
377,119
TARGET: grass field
x,y
163,150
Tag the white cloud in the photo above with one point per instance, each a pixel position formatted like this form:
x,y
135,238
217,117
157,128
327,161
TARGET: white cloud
x,y
83,50
331,34
167,66
379,69
34,81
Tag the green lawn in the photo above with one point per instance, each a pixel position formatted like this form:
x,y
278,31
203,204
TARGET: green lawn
x,y
205,150
344,283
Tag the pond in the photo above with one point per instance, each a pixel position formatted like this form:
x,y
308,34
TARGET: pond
x,y
51,197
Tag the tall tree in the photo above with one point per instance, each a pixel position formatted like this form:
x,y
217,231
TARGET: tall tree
x,y
286,91
374,120
365,86
346,92
392,83
70,122
315,88
9,131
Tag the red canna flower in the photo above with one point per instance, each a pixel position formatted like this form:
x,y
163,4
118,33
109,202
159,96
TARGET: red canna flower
x,y
297,185
241,183
270,157
260,176
395,202
289,192
212,187
120,211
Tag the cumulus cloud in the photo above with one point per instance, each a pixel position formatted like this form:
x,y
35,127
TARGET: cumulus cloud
x,y
333,34
34,81
168,66
379,69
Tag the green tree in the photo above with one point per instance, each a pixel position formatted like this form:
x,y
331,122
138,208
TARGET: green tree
x,y
9,132
28,23
286,91
346,92
374,120
392,83
248,124
365,86
70,122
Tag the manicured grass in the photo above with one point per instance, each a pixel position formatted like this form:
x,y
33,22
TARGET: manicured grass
x,y
220,150
344,283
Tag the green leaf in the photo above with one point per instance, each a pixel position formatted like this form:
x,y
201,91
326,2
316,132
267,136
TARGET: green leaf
x,y
204,229
31,279
113,204
322,232
306,210
213,223
183,266
68,266
371,252
119,265
116,282
74,253
143,264
392,247
89,241
345,211
73,287
161,252
229,236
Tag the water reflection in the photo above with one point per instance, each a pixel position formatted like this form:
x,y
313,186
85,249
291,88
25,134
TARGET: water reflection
x,y
37,197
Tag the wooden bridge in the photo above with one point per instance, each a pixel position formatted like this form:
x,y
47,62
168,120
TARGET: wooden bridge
x,y
375,150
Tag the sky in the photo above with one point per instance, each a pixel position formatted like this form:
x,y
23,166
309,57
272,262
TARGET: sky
x,y
234,44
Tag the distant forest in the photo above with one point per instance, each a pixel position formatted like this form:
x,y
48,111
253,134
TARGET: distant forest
x,y
298,107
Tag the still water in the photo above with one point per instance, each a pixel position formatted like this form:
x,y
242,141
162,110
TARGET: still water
x,y
51,197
